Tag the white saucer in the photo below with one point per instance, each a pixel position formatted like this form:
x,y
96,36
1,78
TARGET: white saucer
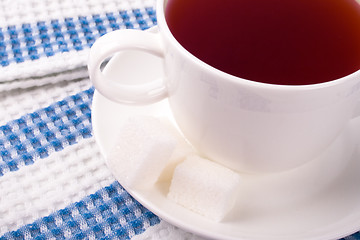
x,y
320,200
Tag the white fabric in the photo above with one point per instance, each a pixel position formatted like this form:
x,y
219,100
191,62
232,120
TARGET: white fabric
x,y
51,184
31,11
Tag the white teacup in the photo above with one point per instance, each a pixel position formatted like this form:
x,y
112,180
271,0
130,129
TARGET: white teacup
x,y
245,125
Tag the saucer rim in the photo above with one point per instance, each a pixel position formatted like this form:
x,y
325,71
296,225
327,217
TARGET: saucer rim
x,y
142,195
348,228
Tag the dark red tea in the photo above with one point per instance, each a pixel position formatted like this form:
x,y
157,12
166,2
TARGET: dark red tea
x,y
290,42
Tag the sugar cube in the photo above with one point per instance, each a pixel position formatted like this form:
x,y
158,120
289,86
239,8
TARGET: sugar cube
x,y
204,187
142,150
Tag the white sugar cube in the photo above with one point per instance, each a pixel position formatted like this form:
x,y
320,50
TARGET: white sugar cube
x,y
204,187
142,150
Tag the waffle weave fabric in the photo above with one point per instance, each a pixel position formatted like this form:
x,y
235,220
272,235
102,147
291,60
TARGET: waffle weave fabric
x,y
54,183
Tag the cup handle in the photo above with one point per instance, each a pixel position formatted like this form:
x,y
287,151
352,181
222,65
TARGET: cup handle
x,y
123,40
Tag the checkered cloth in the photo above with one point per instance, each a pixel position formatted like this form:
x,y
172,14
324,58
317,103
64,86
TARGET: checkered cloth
x,y
54,183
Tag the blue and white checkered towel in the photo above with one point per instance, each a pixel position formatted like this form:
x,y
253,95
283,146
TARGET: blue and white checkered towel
x,y
54,183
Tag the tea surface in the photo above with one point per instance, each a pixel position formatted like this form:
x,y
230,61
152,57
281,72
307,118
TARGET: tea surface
x,y
289,42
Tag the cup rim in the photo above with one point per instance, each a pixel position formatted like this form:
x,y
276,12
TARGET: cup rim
x,y
164,29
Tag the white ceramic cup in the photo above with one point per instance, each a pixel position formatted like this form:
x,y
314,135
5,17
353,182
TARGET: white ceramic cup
x,y
245,125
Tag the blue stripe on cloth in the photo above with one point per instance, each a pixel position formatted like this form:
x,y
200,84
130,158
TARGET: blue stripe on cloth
x,y
38,134
47,38
107,214
355,236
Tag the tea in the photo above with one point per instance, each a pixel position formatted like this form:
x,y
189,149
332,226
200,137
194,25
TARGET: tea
x,y
289,42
